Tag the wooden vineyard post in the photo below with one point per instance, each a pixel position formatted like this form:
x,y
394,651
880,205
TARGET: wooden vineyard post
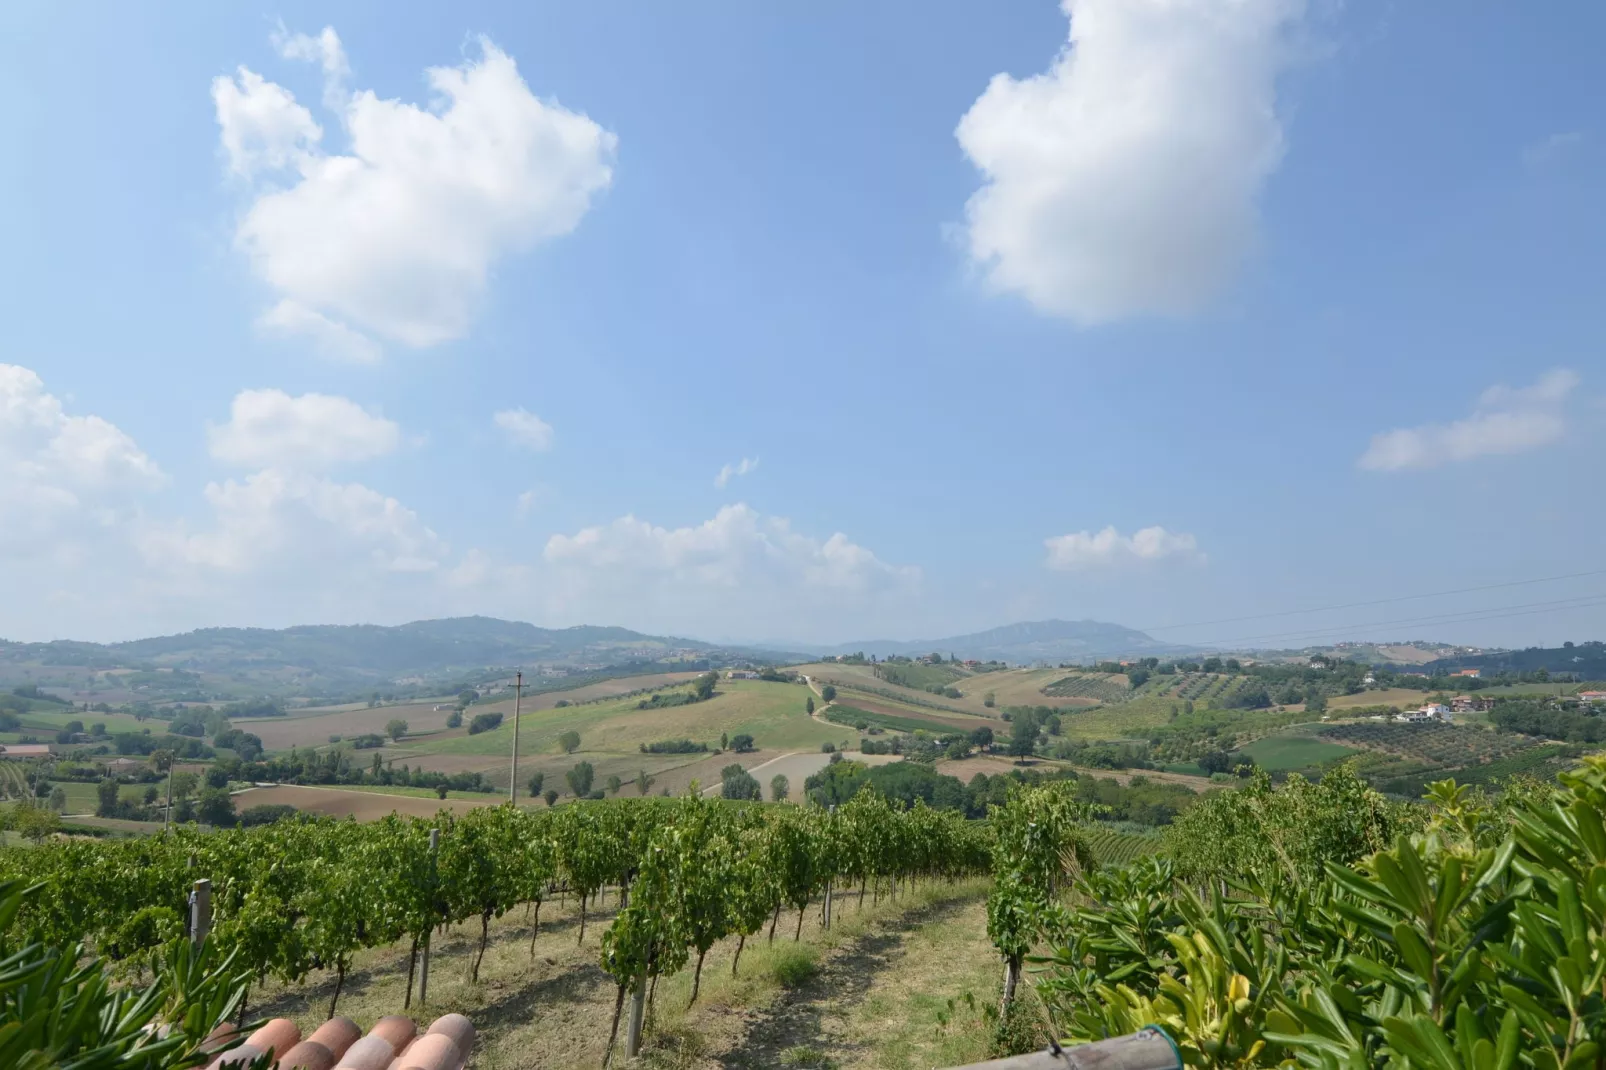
x,y
200,911
423,970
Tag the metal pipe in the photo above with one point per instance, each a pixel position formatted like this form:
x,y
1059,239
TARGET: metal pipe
x,y
1147,1049
423,972
201,911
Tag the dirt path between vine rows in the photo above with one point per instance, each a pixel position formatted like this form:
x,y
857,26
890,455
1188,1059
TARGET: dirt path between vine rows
x,y
814,1016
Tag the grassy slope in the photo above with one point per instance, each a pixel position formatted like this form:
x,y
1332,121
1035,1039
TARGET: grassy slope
x,y
772,713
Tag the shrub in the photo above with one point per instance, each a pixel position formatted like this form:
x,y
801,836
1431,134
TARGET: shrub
x,y
454,719
795,965
484,722
827,748
742,744
265,814
673,746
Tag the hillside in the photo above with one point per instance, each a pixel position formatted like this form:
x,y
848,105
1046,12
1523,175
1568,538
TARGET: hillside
x,y
1025,642
1585,661
328,660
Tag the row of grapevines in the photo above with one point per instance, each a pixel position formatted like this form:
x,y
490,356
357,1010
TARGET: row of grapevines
x,y
311,893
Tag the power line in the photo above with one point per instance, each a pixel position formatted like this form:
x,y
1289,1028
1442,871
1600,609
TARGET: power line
x,y
1461,617
1375,602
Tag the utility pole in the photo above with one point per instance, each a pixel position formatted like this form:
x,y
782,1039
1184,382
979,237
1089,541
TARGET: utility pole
x,y
167,814
513,772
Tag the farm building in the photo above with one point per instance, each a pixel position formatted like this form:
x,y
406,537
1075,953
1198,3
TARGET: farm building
x,y
1469,704
741,674
1433,711
1471,674
1592,696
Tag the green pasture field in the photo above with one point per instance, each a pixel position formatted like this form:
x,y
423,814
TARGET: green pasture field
x,y
773,714
1284,753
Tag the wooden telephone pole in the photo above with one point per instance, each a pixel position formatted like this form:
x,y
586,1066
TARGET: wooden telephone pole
x,y
513,771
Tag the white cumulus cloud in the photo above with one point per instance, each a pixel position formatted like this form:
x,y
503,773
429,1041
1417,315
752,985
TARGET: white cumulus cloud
x,y
729,471
1082,550
1503,421
738,569
58,472
1123,180
524,428
311,432
321,530
397,236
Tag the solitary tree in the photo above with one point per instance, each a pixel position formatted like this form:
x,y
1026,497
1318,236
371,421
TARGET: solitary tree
x,y
1023,737
828,692
551,796
536,781
808,706
569,741
106,798
644,782
982,737
614,784
580,778
988,700
396,729
780,787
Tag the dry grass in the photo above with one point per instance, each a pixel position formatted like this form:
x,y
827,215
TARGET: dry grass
x,y
1403,697
553,1009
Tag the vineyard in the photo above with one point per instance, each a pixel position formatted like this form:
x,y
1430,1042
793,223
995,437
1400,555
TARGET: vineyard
x,y
1268,926
300,896
1100,686
1440,744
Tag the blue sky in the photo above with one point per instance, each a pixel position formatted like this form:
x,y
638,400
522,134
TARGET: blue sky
x,y
1156,313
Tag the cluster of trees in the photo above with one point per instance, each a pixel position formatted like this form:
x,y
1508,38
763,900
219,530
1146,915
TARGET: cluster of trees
x,y
1550,718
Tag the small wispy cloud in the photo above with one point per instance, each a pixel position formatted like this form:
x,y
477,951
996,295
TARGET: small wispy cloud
x,y
1553,150
730,471
1503,421
524,428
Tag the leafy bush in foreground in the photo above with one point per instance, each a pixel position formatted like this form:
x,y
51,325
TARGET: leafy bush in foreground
x,y
1472,936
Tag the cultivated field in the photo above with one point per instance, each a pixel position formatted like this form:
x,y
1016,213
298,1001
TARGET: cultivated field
x,y
362,805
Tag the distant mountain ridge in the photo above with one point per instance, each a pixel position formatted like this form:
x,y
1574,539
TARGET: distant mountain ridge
x,y
1026,642
349,654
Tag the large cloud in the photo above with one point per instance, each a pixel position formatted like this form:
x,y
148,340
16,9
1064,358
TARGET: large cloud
x,y
271,429
1504,420
398,236
58,473
739,569
1123,180
275,521
1086,550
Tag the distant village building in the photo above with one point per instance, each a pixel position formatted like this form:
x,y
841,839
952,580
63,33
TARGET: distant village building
x,y
1470,673
741,674
1433,711
1469,704
1592,696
